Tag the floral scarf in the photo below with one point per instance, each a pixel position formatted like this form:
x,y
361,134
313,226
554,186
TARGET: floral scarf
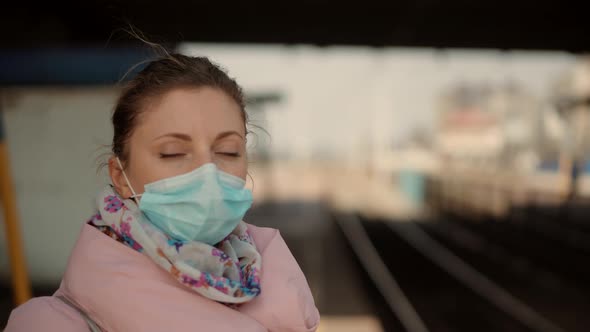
x,y
229,272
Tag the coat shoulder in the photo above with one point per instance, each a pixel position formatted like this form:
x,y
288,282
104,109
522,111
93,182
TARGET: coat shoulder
x,y
262,236
286,302
45,314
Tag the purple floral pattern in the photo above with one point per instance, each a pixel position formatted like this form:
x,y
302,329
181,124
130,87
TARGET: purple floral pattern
x,y
113,204
177,244
223,257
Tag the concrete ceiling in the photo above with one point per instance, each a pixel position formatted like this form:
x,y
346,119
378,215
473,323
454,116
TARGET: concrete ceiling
x,y
543,25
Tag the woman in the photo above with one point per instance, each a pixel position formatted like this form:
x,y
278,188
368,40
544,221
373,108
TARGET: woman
x,y
167,250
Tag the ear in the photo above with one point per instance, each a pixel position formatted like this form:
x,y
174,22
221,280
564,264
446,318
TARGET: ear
x,y
118,179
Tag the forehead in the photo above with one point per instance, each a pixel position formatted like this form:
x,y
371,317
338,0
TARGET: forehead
x,y
202,112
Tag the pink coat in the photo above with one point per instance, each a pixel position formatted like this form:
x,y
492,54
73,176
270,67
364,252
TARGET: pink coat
x,y
123,290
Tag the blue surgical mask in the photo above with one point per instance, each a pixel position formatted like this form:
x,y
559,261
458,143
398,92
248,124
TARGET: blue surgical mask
x,y
204,205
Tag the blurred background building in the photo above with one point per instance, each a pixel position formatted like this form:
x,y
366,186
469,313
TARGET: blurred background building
x,y
427,162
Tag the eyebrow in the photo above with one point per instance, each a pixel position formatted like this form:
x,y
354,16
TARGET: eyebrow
x,y
228,133
180,136
187,138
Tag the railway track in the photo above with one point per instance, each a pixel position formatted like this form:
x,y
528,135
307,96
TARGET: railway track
x,y
454,275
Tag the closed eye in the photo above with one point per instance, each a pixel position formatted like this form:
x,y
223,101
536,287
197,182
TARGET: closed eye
x,y
171,155
229,154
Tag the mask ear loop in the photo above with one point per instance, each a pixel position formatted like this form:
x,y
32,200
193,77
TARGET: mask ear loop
x,y
251,179
134,196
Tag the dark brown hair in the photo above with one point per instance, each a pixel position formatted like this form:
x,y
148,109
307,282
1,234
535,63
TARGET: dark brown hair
x,y
162,75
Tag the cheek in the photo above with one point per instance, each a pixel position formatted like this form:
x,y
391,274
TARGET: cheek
x,y
138,176
243,172
239,168
143,170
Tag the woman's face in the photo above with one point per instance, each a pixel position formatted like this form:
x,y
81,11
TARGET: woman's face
x,y
180,132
